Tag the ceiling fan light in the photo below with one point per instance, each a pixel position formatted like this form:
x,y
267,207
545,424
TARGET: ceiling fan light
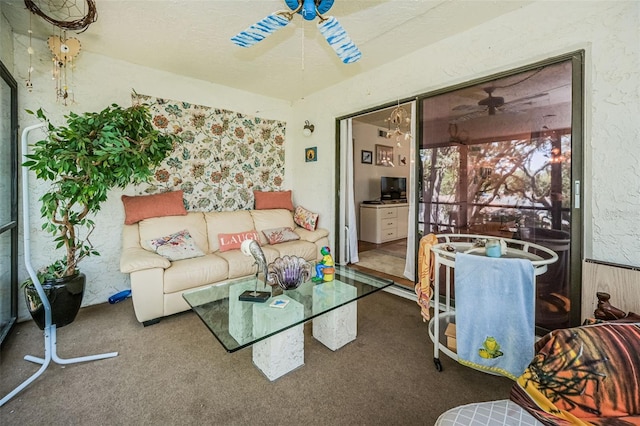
x,y
260,30
339,41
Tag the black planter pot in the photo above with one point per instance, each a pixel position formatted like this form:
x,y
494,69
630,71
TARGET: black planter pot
x,y
65,297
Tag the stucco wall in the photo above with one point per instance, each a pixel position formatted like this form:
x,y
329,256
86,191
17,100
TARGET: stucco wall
x,y
609,32
6,42
99,81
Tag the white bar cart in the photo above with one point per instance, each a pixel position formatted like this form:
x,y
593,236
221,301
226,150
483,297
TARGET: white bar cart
x,y
445,254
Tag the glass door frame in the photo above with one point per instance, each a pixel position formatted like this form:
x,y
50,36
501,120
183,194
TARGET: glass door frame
x,y
12,226
577,164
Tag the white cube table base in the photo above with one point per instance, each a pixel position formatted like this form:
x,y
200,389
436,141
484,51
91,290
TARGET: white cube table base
x,y
340,326
283,352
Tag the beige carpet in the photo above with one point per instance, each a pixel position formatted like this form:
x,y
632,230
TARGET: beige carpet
x,y
176,373
383,262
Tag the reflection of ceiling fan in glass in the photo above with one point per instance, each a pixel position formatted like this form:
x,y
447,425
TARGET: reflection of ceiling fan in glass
x,y
491,104
329,27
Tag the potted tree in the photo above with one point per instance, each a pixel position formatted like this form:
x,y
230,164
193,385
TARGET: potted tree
x,y
84,159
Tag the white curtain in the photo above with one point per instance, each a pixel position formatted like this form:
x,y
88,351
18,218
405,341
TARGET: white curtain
x,y
410,262
349,232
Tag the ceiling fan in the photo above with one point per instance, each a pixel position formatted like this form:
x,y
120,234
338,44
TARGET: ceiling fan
x,y
329,27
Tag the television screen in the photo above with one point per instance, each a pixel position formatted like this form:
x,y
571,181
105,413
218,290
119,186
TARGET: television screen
x,y
392,188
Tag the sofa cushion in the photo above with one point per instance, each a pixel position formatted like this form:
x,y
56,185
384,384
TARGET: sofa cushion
x,y
241,265
226,223
269,219
299,248
191,273
234,241
174,247
159,226
137,208
273,200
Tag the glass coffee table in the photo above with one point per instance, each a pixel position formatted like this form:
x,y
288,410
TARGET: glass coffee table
x,y
276,331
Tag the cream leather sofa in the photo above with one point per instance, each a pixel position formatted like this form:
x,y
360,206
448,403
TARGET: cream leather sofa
x,y
157,284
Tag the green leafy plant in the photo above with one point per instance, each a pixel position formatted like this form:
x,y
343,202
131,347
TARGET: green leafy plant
x,y
84,159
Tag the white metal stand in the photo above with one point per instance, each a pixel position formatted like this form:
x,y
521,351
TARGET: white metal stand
x,y
50,339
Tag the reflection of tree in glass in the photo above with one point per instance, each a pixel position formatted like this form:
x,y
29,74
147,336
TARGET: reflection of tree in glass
x,y
525,172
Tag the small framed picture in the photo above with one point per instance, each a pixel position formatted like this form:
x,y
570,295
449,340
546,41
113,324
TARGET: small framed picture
x,y
366,157
384,155
311,154
402,160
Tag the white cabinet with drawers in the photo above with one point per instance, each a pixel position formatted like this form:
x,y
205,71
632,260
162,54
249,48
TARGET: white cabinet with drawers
x,y
380,223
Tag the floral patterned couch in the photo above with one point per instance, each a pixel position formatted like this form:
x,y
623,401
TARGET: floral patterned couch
x,y
212,247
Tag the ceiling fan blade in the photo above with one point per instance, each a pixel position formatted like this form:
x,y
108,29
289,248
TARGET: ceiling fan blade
x,y
260,30
338,39
324,6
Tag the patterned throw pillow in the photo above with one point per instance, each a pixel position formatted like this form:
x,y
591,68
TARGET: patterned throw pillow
x,y
303,217
280,235
234,241
176,246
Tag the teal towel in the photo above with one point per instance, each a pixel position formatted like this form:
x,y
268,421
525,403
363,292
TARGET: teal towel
x,y
495,313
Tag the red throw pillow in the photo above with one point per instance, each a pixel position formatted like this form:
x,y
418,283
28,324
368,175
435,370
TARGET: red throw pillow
x,y
145,206
234,241
273,200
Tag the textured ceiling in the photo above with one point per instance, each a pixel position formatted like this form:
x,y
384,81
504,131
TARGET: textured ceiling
x,y
192,37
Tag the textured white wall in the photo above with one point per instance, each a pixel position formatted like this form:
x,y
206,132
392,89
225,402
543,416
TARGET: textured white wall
x,y
99,81
6,42
608,31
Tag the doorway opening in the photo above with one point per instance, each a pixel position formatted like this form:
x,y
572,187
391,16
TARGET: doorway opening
x,y
380,167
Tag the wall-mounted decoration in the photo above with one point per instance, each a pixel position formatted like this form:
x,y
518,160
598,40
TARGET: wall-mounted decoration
x,y
402,160
366,157
384,155
72,15
311,154
223,157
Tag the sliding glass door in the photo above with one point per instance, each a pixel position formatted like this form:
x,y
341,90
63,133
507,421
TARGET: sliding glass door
x,y
502,157
8,202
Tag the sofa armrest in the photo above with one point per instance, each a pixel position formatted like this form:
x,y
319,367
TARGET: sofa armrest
x,y
311,236
137,259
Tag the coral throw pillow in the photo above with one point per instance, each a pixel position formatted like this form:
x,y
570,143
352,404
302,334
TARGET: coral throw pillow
x,y
306,219
142,207
176,246
273,200
234,241
280,235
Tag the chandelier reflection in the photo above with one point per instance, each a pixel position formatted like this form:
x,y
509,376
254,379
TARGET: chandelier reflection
x,y
399,125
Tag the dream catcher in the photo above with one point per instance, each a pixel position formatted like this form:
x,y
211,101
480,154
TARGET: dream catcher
x,y
74,15
329,27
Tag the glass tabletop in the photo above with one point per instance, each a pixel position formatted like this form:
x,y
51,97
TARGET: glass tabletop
x,y
238,324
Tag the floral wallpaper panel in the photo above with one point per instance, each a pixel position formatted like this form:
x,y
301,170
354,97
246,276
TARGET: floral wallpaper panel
x,y
222,158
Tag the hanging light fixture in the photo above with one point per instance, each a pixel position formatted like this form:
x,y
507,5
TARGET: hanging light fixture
x,y
398,119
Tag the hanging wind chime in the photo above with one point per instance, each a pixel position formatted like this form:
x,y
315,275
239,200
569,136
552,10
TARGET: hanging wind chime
x,y
75,15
